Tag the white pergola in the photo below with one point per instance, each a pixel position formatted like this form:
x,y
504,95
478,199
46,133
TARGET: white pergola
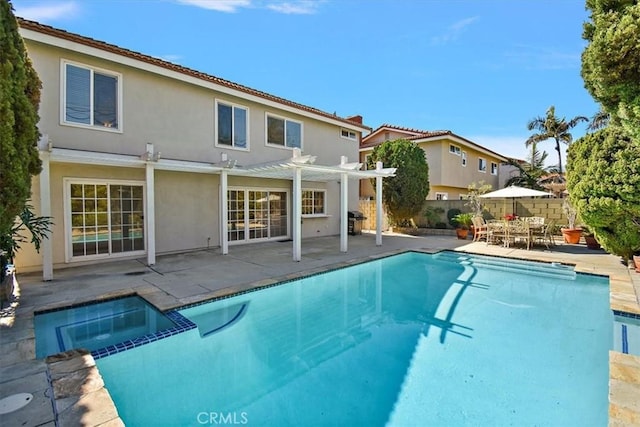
x,y
298,168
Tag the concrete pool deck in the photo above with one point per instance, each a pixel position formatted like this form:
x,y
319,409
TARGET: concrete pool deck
x,y
181,279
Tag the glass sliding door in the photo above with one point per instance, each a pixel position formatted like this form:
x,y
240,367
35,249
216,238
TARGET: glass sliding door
x,y
105,219
235,215
265,212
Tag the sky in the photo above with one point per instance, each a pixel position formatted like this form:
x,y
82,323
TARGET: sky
x,y
481,69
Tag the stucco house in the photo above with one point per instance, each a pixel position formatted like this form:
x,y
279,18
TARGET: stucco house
x,y
143,157
454,161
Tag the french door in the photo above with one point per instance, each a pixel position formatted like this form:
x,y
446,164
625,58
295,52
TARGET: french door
x,y
105,218
256,214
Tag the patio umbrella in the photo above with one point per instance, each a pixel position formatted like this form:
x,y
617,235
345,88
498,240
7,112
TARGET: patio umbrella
x,y
514,192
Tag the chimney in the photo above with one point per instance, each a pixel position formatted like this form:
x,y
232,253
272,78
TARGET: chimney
x,y
356,119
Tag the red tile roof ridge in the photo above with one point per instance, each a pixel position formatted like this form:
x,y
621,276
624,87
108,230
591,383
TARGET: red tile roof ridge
x,y
88,41
418,131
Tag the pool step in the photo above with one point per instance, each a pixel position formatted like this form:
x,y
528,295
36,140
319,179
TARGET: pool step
x,y
210,322
539,269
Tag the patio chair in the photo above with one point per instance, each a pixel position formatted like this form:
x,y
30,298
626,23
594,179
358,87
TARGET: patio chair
x,y
519,230
497,230
480,229
545,234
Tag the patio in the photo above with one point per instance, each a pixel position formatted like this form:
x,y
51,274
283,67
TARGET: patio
x,y
180,279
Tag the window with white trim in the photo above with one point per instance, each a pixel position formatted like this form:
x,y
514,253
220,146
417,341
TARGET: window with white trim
x,y
91,97
494,168
482,165
284,132
231,126
454,149
464,158
104,218
314,202
349,134
442,196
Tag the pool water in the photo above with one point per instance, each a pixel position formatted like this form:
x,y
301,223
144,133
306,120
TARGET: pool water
x,y
413,339
96,326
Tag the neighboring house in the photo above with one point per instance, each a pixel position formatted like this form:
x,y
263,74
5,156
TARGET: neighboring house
x,y
454,161
142,156
508,171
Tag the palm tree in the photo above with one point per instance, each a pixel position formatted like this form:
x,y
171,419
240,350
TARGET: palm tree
x,y
551,127
599,120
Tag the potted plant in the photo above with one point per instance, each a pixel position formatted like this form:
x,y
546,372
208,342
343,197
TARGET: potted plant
x,y
463,221
571,234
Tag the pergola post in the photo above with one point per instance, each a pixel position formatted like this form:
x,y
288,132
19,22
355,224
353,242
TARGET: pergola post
x,y
45,210
297,214
150,214
344,205
224,220
379,205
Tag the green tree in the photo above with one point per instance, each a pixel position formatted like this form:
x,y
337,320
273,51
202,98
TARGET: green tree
x,y
552,127
530,172
603,179
404,194
611,60
19,100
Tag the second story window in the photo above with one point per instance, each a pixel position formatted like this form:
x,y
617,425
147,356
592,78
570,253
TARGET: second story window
x,y
464,158
231,126
482,165
348,134
284,132
494,168
454,149
91,97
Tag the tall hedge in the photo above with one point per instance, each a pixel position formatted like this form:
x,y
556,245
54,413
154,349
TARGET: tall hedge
x,y
611,60
403,195
603,179
19,100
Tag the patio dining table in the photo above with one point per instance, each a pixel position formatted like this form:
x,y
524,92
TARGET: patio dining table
x,y
518,229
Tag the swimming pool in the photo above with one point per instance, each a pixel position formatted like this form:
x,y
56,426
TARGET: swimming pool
x,y
413,339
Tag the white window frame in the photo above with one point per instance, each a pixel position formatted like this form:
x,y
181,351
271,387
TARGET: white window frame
x,y
246,190
66,191
63,97
464,158
233,125
480,161
441,195
324,202
454,149
350,134
285,119
494,168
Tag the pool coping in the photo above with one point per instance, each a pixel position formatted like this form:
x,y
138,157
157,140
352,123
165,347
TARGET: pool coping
x,y
624,369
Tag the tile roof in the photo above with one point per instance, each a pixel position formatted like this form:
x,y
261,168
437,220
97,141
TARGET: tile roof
x,y
87,41
422,134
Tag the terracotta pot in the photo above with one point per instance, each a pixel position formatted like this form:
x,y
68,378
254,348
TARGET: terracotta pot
x,y
591,242
636,261
462,233
571,235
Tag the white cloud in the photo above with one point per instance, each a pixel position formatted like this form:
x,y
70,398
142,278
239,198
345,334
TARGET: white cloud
x,y
229,6
541,58
307,7
454,31
48,11
293,7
